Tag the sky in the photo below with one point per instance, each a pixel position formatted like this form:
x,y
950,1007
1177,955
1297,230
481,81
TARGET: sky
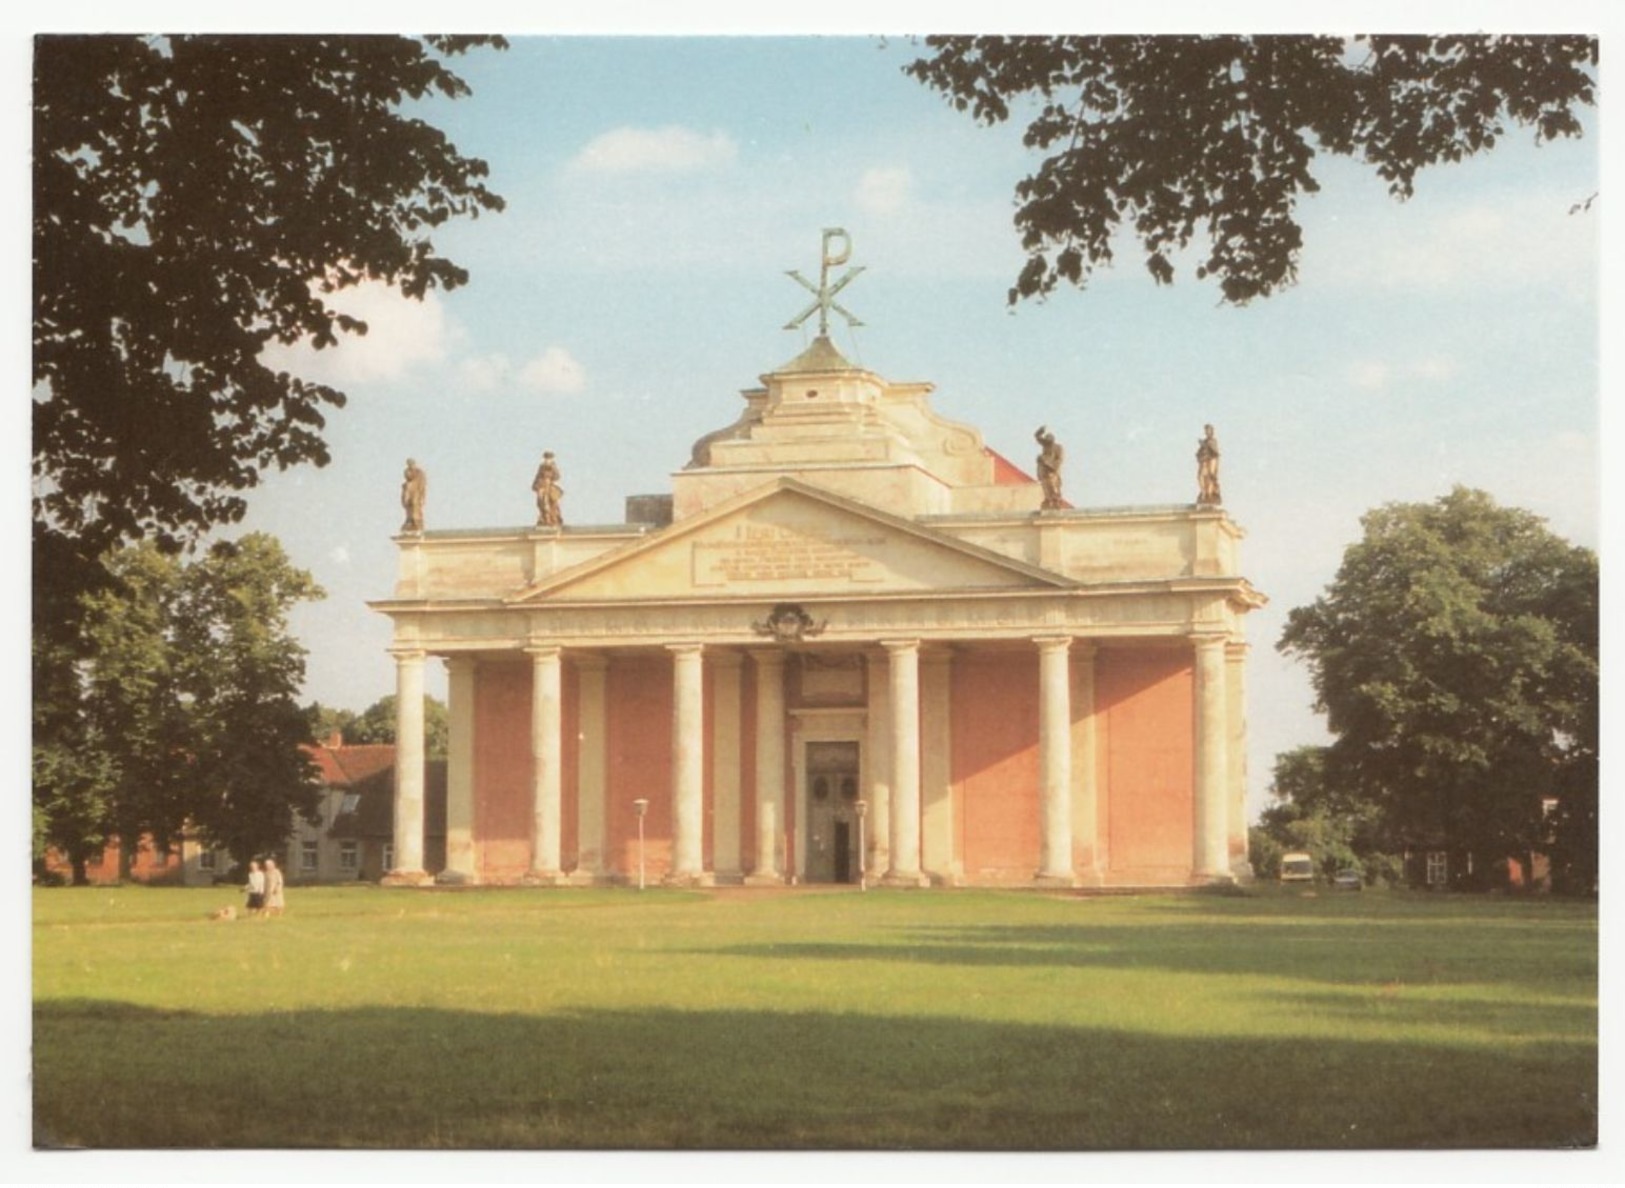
x,y
657,190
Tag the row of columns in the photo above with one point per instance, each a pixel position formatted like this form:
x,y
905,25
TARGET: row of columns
x,y
893,741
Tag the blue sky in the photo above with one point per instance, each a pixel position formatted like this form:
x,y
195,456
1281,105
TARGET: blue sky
x,y
659,187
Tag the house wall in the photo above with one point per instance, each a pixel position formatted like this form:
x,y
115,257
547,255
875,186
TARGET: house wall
x,y
1145,751
502,813
994,760
638,692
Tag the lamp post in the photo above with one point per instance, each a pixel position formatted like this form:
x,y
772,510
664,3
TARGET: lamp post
x,y
863,851
640,806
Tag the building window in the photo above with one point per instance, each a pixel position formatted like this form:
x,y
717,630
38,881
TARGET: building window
x,y
205,859
307,857
1438,868
347,805
389,855
349,859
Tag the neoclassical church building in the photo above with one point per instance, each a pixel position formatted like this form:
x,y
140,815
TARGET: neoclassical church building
x,y
852,643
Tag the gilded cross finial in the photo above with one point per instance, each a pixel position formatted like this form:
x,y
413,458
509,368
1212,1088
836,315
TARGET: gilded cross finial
x,y
824,293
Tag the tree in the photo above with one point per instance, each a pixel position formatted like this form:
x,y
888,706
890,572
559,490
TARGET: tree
x,y
183,718
197,199
1318,816
244,669
1183,137
376,724
1455,657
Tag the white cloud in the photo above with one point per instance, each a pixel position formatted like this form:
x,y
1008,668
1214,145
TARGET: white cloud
x,y
671,149
1377,375
1420,247
884,190
554,371
402,334
339,555
483,373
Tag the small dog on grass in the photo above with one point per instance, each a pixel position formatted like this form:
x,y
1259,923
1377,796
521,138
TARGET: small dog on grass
x,y
226,913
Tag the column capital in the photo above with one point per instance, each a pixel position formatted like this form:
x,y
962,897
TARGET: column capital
x,y
458,662
1085,649
1237,649
588,661
724,658
1208,639
685,649
767,657
894,646
1052,642
406,653
544,651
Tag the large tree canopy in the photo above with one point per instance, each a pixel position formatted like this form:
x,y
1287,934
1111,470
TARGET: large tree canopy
x,y
183,716
195,199
1186,137
1455,656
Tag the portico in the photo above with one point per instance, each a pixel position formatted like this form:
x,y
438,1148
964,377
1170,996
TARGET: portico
x,y
846,598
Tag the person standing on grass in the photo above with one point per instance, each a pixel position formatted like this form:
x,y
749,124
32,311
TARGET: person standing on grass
x,y
256,888
273,888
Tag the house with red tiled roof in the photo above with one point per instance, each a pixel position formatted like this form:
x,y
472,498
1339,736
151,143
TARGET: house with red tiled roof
x,y
353,834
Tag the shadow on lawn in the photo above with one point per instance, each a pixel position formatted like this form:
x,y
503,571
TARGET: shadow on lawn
x,y
1340,952
113,1075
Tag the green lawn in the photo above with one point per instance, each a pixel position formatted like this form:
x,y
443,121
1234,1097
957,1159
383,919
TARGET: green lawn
x,y
908,1020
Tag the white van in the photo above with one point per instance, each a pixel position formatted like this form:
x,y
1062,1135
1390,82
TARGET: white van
x,y
1297,867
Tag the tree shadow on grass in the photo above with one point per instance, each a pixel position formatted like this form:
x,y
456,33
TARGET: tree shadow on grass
x,y
1310,949
108,1074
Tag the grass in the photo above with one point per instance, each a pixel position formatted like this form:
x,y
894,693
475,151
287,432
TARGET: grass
x,y
813,1020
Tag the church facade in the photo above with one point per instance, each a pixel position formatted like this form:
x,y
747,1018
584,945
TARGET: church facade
x,y
853,643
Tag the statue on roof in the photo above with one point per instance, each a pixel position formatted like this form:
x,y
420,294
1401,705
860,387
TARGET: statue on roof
x,y
548,493
1207,468
414,486
1050,457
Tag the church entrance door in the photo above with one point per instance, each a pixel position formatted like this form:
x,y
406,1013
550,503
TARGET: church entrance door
x,y
832,817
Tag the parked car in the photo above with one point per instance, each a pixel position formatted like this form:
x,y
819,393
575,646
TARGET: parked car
x,y
1348,880
1297,867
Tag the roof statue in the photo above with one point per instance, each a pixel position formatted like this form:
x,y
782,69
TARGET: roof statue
x,y
824,294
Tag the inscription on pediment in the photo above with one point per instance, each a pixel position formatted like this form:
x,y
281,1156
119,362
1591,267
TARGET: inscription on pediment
x,y
766,553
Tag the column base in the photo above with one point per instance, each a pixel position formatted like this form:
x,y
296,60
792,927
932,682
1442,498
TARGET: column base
x,y
406,878
764,880
544,878
586,878
1090,878
1054,880
455,878
703,878
1215,878
894,878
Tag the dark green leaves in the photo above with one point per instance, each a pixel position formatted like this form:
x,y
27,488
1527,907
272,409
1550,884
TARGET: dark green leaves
x,y
1209,139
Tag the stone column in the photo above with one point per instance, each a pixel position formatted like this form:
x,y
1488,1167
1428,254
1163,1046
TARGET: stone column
x,y
1211,812
939,850
877,762
591,768
687,766
547,762
769,764
460,863
1055,759
1088,854
903,669
408,867
1235,657
725,765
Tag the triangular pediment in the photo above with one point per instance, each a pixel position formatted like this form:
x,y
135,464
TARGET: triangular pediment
x,y
788,539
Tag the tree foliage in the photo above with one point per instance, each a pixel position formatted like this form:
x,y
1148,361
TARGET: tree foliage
x,y
376,724
1182,138
195,200
183,715
1455,656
